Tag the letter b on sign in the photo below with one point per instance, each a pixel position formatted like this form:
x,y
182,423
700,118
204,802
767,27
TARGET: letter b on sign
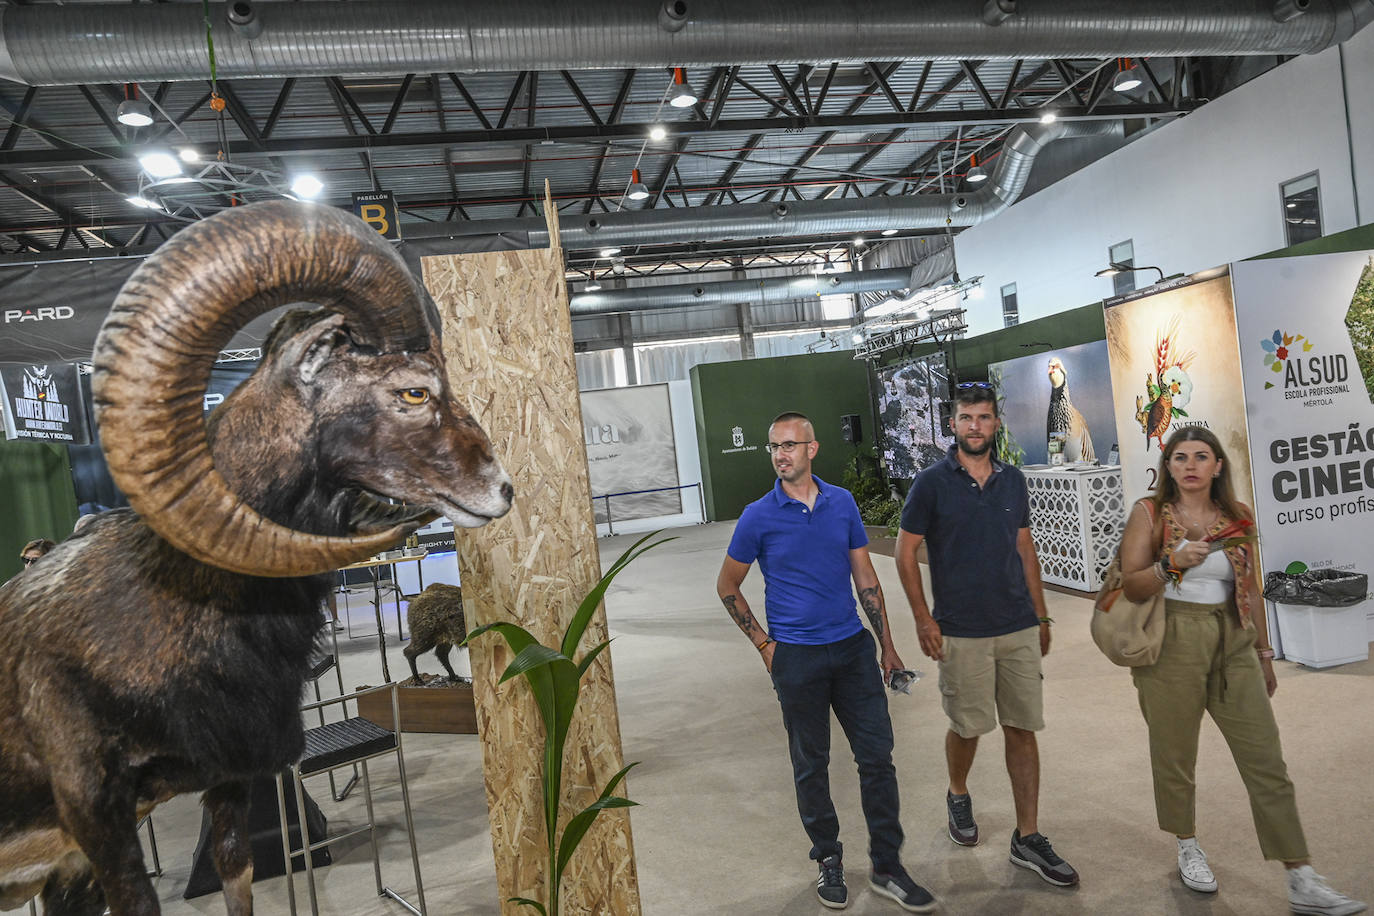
x,y
378,210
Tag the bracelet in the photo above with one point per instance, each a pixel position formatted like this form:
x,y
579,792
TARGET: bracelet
x,y
1266,652
1159,572
764,643
1047,621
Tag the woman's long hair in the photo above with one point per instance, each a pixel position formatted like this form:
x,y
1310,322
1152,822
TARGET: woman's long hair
x,y
1223,492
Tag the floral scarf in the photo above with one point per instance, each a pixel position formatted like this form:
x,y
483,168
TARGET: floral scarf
x,y
1239,555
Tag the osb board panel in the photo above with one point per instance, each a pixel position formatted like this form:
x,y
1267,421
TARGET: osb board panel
x,y
508,347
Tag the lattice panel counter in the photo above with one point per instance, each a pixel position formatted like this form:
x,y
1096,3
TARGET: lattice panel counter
x,y
1076,520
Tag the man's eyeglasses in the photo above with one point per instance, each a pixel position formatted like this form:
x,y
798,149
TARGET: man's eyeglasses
x,y
785,447
965,386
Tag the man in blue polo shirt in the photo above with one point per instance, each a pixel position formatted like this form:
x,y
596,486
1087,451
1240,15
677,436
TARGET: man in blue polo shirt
x,y
809,541
989,628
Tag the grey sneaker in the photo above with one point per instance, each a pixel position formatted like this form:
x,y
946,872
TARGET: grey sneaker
x,y
1309,893
1193,867
962,828
830,886
1035,852
896,884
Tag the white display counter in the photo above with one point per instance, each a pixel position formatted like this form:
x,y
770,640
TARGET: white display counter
x,y
1077,516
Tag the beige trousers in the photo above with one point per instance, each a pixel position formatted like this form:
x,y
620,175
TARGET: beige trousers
x,y
1208,662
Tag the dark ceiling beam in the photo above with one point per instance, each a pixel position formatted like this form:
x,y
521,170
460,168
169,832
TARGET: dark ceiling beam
x,y
618,109
582,98
436,88
102,109
920,86
70,218
881,82
574,133
722,97
970,68
396,103
277,107
239,112
471,102
17,124
825,88
343,96
798,105
1010,91
1070,83
510,99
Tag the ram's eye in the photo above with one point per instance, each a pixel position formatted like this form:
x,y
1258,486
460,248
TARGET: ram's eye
x,y
413,396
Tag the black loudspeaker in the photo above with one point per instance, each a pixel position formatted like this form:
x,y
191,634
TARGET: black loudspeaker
x,y
850,429
946,411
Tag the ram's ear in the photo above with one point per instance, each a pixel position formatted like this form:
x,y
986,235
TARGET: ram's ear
x,y
307,351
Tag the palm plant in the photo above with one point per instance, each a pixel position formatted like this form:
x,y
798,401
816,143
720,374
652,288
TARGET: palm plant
x,y
556,680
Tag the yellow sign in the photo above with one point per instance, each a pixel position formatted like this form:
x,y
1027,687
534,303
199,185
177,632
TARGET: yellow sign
x,y
378,210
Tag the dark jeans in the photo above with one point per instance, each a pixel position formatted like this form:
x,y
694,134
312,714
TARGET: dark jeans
x,y
844,675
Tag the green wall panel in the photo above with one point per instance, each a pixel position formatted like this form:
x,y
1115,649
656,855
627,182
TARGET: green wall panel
x,y
37,499
750,393
1357,239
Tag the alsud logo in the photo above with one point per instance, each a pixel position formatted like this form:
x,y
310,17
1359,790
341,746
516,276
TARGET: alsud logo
x,y
1305,374
54,313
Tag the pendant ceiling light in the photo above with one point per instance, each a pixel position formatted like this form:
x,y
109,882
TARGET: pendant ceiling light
x,y
975,171
682,95
637,190
1127,77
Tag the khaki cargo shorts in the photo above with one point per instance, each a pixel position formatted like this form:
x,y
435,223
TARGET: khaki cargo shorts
x,y
992,679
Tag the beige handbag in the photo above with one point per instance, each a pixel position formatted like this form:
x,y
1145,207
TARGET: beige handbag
x,y
1129,633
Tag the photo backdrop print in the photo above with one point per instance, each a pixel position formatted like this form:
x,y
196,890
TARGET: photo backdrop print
x,y
1066,392
909,412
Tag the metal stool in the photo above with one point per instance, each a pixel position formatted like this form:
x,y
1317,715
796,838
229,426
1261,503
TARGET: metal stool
x,y
354,740
320,668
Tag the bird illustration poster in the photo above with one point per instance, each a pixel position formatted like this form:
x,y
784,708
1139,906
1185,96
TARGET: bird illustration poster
x,y
909,411
1175,361
1063,394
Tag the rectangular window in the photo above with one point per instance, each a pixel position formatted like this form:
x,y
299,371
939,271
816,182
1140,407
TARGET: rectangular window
x,y
1010,315
1302,209
1122,254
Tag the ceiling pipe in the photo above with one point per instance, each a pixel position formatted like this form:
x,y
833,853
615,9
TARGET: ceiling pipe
x,y
730,292
795,218
66,44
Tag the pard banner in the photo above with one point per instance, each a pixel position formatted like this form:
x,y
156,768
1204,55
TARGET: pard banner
x,y
1062,397
1175,362
1311,418
44,403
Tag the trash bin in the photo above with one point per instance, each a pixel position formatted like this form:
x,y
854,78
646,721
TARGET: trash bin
x,y
1321,615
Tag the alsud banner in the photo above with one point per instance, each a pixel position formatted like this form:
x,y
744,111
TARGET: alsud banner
x,y
1305,333
44,403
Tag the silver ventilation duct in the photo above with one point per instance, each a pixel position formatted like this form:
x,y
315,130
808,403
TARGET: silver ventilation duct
x,y
56,44
755,292
796,218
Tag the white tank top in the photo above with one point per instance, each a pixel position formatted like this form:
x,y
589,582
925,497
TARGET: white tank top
x,y
1211,582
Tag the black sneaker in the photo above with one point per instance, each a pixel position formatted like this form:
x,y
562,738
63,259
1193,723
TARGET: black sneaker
x,y
962,828
897,884
1036,853
830,886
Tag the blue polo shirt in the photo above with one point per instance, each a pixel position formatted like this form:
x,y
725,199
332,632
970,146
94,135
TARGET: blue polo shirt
x,y
970,534
804,555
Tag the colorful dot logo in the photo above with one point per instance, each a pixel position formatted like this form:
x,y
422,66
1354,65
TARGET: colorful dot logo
x,y
1277,348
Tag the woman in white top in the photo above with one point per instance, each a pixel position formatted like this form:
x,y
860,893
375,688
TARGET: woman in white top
x,y
1215,658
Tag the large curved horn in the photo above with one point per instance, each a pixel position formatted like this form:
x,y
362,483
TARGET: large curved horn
x,y
155,350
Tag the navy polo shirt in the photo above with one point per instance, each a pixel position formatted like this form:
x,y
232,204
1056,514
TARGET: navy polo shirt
x,y
804,555
970,534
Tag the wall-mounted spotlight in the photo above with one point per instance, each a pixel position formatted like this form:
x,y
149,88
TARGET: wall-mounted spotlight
x,y
1113,268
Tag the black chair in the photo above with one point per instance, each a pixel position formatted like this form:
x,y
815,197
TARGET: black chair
x,y
336,744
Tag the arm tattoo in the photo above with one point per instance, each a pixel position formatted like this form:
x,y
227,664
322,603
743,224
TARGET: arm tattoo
x,y
743,619
872,601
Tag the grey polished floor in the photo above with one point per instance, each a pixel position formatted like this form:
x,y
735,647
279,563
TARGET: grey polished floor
x,y
717,831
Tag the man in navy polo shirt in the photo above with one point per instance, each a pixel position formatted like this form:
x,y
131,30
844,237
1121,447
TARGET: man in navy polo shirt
x,y
809,541
990,628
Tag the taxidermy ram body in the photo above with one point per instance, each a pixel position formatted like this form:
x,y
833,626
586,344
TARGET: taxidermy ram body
x,y
164,649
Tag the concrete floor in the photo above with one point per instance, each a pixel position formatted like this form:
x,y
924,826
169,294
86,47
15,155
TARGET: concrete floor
x,y
717,831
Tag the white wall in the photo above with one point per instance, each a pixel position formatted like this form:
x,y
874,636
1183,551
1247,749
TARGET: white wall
x,y
1196,193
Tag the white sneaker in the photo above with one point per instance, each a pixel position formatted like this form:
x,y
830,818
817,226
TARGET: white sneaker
x,y
1309,893
1193,867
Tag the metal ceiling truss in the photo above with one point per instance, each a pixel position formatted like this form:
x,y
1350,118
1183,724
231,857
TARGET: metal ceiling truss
x,y
480,146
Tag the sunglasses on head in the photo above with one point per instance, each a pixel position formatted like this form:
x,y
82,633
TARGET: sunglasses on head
x,y
964,386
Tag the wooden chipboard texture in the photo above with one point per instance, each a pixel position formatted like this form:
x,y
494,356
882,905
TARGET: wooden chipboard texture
x,y
509,351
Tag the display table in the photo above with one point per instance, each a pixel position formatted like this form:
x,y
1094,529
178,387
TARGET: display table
x,y
1077,516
